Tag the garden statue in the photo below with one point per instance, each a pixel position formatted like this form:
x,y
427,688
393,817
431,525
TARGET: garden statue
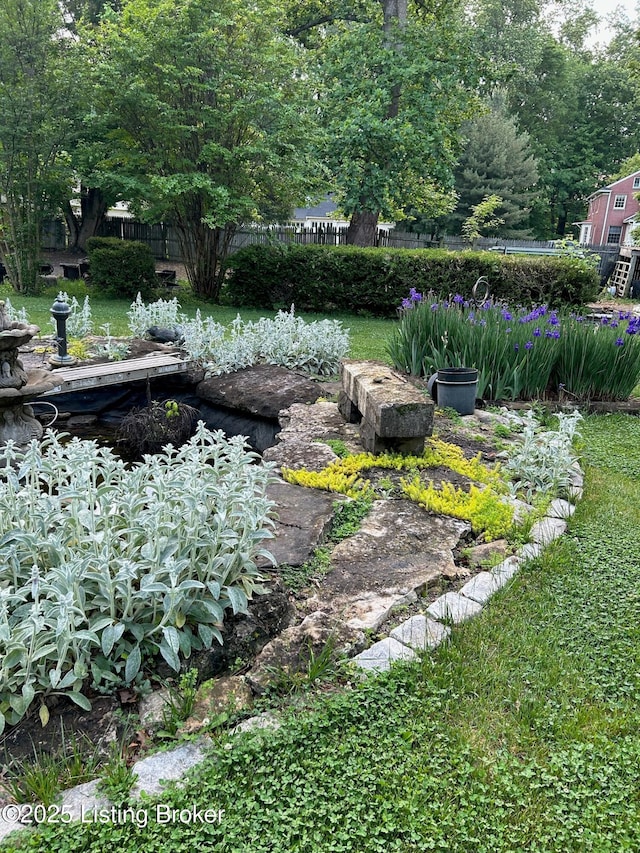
x,y
17,386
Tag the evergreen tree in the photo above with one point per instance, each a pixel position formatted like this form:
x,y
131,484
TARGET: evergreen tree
x,y
497,161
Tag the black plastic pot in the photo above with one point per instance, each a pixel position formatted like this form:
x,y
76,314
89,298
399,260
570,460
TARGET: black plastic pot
x,y
455,388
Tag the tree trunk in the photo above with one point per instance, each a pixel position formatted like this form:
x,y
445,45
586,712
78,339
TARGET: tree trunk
x,y
363,228
20,223
93,209
204,254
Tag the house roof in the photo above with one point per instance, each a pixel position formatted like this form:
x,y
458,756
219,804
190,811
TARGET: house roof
x,y
610,187
322,210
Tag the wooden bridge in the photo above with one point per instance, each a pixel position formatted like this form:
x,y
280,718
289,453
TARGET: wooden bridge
x,y
117,372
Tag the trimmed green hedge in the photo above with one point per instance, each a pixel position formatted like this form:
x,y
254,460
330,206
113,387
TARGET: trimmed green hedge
x,y
325,279
121,268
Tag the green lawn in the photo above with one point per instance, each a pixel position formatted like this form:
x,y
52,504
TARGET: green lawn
x,y
522,734
368,336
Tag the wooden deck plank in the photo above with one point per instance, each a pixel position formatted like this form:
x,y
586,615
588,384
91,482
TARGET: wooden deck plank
x,y
116,372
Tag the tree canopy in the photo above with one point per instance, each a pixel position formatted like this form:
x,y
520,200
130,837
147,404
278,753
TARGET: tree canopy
x,y
36,106
205,106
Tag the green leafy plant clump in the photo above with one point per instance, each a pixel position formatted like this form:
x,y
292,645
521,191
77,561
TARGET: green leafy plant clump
x,y
121,267
106,567
316,347
520,354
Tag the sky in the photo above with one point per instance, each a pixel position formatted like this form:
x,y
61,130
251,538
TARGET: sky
x,y
606,7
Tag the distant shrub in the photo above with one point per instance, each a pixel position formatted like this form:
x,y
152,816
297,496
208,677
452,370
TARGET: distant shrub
x,y
121,268
345,278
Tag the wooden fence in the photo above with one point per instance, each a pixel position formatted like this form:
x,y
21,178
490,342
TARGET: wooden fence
x,y
163,239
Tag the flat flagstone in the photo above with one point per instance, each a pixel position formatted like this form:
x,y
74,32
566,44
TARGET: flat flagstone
x,y
380,656
560,509
453,607
545,531
421,633
481,587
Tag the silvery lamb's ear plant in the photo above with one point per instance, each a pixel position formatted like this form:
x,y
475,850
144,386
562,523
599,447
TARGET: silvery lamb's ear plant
x,y
541,463
105,567
17,315
286,341
162,312
79,322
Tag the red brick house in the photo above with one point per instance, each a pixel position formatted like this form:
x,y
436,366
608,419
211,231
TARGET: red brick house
x,y
612,213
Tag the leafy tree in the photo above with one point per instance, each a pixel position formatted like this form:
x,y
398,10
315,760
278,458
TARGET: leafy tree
x,y
205,108
396,92
577,113
496,161
627,167
90,11
483,218
35,121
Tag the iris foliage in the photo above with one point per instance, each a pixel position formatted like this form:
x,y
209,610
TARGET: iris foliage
x,y
520,353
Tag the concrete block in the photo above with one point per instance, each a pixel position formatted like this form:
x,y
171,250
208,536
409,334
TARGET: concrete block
x,y
453,607
380,656
420,633
481,587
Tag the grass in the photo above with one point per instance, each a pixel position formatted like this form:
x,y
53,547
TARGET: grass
x,y
368,335
521,734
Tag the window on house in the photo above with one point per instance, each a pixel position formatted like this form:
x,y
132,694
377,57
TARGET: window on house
x,y
636,182
619,202
614,233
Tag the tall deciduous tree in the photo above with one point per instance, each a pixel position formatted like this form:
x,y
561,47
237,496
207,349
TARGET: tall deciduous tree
x,y
35,123
206,109
397,90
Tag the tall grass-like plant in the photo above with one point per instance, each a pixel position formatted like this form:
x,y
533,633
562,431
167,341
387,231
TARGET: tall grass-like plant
x,y
105,567
519,353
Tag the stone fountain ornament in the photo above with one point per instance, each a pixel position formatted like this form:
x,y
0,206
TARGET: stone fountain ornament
x,y
17,386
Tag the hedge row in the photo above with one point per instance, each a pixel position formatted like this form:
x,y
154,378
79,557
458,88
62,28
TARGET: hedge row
x,y
121,268
327,279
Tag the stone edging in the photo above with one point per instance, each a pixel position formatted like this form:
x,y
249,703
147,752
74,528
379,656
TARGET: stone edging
x,y
427,631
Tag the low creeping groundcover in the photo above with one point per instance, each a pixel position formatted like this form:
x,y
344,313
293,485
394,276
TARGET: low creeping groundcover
x,y
105,567
520,354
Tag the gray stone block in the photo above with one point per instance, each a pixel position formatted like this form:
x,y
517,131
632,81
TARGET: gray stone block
x,y
481,587
453,607
380,656
420,633
505,570
560,509
530,551
166,766
392,408
545,531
